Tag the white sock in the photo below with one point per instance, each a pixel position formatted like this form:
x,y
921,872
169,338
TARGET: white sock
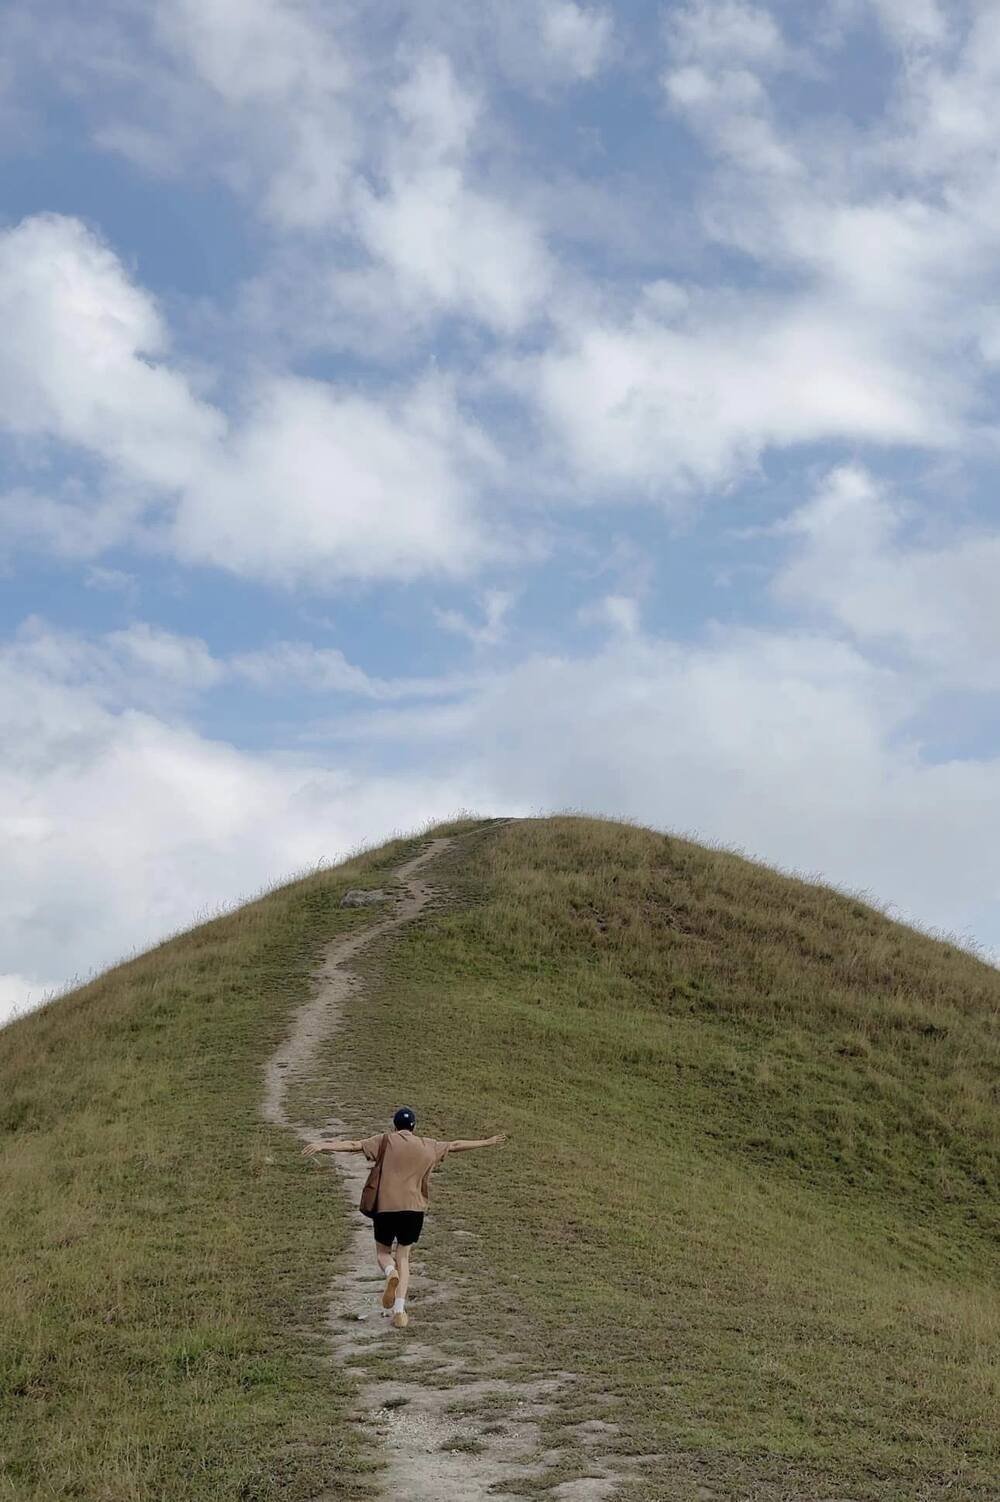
x,y
399,1307
388,1270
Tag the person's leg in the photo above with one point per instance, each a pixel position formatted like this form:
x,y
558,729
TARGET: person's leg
x,y
391,1271
403,1268
385,1235
383,1227
386,1261
400,1317
409,1225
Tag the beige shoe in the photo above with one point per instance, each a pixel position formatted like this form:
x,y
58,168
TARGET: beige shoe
x,y
401,1320
389,1291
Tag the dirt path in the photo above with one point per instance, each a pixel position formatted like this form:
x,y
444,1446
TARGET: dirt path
x,y
317,1020
434,1453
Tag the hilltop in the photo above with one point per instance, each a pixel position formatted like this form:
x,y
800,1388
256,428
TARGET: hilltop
x,y
749,1198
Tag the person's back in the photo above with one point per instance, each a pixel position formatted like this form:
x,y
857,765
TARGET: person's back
x,y
407,1165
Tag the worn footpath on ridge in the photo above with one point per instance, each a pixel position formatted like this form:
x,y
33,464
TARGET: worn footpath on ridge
x,y
421,1413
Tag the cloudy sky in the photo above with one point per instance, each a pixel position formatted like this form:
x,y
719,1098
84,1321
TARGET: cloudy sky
x,y
516,406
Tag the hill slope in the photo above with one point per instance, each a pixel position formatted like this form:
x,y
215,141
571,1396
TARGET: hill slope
x,y
749,1197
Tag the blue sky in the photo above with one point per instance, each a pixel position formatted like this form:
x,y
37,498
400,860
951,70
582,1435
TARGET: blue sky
x,y
513,407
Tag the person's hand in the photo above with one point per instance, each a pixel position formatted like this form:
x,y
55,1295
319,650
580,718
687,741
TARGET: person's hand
x,y
499,1137
313,1147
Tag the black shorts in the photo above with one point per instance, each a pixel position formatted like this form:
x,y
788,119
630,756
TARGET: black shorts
x,y
403,1226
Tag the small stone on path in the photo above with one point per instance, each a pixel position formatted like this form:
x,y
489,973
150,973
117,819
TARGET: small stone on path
x,y
358,898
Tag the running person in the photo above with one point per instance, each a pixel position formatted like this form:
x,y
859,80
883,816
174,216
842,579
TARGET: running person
x,y
403,1188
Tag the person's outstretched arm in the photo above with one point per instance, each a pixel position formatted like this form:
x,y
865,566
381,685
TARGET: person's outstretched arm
x,y
332,1147
466,1147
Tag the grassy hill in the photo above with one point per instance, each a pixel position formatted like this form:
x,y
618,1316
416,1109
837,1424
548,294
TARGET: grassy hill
x,y
750,1194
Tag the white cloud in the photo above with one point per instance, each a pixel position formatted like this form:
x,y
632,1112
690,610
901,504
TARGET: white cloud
x,y
440,244
146,666
886,256
937,601
254,50
310,482
873,327
720,50
111,580
180,659
496,605
731,110
438,116
141,666
941,125
316,484
82,358
365,159
727,32
320,669
449,249
665,404
277,69
577,37
619,612
539,46
912,22
897,218
302,667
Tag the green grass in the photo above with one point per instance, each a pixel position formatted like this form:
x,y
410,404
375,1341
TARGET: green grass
x,y
751,1184
749,1197
163,1255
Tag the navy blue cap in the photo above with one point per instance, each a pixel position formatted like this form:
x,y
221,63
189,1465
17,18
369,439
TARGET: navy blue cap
x,y
404,1120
